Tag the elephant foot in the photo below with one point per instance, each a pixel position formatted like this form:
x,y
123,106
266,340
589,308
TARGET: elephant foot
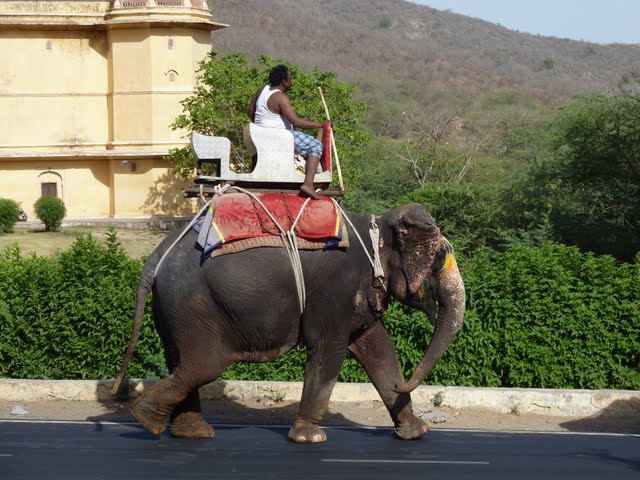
x,y
190,425
411,430
303,432
150,418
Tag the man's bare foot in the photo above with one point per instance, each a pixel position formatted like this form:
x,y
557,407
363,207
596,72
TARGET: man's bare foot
x,y
306,191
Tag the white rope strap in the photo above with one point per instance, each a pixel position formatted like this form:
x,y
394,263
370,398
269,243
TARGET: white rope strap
x,y
218,191
289,241
378,272
374,233
184,232
291,235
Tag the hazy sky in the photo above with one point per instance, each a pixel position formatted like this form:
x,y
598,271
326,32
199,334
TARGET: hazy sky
x,y
599,21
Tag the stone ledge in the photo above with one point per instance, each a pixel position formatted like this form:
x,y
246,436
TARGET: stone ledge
x,y
548,402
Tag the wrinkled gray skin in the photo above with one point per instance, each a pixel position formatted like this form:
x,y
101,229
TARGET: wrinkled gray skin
x,y
244,307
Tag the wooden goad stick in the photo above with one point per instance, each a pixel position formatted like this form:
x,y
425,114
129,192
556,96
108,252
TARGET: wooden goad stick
x,y
333,143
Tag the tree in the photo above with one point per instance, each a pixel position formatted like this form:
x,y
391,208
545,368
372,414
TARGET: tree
x,y
591,183
470,214
382,178
429,149
225,88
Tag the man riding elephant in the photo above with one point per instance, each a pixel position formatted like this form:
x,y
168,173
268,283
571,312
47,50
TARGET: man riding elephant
x,y
271,108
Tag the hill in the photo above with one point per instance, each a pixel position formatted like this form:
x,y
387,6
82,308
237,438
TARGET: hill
x,y
417,47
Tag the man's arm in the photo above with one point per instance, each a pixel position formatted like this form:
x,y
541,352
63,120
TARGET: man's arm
x,y
285,108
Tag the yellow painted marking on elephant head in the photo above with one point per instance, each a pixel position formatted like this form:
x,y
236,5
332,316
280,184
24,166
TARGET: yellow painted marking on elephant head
x,y
450,258
449,262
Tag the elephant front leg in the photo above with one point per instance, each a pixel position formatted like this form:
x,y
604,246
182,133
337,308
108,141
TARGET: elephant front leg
x,y
320,376
376,353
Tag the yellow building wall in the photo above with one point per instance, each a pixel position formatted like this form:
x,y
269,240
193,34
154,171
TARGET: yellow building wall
x,y
47,88
86,188
83,185
152,187
131,187
87,93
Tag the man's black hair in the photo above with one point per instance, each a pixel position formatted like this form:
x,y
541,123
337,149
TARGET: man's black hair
x,y
278,74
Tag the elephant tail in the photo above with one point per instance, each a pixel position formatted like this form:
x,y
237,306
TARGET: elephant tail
x,y
144,287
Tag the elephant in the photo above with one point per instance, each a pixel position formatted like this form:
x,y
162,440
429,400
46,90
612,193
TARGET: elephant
x,y
243,307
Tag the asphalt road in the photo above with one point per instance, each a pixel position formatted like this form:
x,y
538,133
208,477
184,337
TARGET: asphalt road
x,y
85,450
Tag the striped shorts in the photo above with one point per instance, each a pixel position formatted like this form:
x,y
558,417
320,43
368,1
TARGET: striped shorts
x,y
306,145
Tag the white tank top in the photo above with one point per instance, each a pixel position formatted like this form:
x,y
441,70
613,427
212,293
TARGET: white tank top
x,y
265,117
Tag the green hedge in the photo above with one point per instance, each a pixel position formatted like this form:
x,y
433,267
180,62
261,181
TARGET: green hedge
x,y
69,317
554,317
546,316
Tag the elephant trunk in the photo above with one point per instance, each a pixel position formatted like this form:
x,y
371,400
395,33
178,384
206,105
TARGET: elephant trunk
x,y
451,299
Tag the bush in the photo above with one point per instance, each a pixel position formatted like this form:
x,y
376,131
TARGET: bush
x,y
548,63
70,317
9,211
384,23
537,317
51,211
550,317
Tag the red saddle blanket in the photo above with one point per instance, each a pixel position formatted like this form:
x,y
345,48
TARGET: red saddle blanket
x,y
236,216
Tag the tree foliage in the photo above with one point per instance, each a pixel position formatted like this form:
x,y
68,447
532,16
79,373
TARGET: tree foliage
x,y
226,86
471,215
590,182
572,175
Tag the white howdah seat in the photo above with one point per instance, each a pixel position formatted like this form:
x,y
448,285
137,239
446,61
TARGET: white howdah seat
x,y
275,157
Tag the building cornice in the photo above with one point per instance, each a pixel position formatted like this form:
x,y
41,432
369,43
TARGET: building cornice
x,y
115,14
80,155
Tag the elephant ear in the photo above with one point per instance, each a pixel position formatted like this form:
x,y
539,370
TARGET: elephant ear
x,y
417,239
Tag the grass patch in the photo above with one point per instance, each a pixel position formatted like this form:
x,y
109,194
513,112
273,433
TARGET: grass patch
x,y
137,243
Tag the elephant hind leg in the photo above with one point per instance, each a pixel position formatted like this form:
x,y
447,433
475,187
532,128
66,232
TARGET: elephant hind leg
x,y
187,420
153,406
178,398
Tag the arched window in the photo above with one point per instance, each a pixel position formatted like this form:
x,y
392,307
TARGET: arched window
x,y
50,184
